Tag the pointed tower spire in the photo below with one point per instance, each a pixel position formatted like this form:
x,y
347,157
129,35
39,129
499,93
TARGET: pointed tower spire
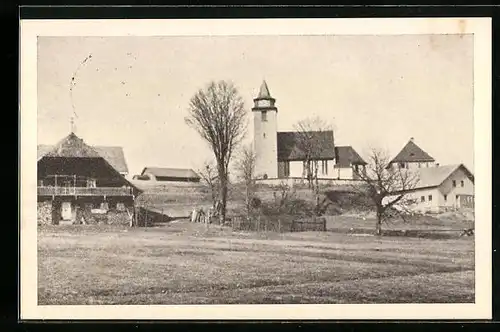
x,y
264,91
264,101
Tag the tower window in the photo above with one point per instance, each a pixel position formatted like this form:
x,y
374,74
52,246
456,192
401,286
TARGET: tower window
x,y
454,183
461,183
264,115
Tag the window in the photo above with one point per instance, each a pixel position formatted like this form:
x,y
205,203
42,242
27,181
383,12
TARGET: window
x,y
264,115
264,135
430,198
461,183
287,168
422,198
445,198
401,165
324,167
454,183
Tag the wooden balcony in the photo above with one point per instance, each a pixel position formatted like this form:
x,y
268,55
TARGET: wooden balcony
x,y
84,191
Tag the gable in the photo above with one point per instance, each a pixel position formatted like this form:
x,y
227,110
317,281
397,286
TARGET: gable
x,y
436,176
289,145
411,152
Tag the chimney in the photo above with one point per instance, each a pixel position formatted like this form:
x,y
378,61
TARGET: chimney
x,y
412,139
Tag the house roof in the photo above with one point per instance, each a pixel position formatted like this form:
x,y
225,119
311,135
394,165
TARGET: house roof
x,y
411,152
346,156
289,145
264,91
73,146
171,172
435,176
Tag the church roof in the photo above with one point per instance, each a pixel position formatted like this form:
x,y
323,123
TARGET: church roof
x,y
264,91
411,152
73,146
289,145
347,156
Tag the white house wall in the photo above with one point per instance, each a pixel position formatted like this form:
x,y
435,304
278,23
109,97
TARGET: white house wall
x,y
426,205
452,192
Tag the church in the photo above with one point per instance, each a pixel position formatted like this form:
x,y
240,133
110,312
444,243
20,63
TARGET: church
x,y
279,156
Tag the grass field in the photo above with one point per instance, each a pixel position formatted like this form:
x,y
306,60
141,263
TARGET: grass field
x,y
184,263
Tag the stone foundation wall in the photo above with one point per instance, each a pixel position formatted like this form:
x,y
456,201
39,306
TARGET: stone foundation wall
x,y
44,213
49,213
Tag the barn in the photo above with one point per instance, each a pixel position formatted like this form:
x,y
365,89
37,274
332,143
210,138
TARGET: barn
x,y
162,174
78,183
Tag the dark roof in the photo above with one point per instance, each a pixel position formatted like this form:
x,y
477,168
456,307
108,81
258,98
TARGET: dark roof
x,y
411,152
347,156
289,145
171,172
72,146
264,91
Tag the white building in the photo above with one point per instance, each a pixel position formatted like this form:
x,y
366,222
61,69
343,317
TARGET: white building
x,y
438,187
279,156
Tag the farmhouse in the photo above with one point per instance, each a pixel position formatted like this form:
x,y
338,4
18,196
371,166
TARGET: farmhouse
x,y
437,187
83,184
279,154
442,187
168,175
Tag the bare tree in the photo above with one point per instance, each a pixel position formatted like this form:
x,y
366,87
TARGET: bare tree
x,y
386,187
246,171
314,137
208,174
218,114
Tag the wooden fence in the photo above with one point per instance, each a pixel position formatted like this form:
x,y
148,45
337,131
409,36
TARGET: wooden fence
x,y
317,224
281,223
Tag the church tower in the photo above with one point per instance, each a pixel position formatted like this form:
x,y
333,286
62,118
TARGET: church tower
x,y
265,134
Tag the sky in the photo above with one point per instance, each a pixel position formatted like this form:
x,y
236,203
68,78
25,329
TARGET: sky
x,y
377,91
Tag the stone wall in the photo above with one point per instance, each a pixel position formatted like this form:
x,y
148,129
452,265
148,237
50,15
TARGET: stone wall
x,y
44,213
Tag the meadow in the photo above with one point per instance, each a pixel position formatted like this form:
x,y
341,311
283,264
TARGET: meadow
x,y
185,263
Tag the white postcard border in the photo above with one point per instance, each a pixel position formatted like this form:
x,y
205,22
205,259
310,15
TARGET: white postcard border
x,y
480,27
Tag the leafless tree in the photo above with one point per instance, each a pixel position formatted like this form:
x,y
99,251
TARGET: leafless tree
x,y
286,194
246,172
312,140
386,187
218,114
208,174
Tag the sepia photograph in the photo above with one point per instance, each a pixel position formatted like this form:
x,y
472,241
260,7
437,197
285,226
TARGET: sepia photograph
x,y
315,167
